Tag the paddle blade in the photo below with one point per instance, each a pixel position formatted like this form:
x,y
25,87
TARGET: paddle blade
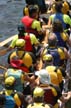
x,y
3,52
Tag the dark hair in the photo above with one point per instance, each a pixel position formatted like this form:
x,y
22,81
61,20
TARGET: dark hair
x,y
57,26
58,7
21,29
32,9
30,2
52,39
38,99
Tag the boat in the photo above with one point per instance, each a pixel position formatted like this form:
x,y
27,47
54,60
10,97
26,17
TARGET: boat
x,y
7,40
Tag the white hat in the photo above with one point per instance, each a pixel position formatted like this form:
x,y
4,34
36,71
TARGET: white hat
x,y
44,76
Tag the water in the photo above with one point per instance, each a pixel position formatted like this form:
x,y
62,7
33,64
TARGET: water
x,y
11,12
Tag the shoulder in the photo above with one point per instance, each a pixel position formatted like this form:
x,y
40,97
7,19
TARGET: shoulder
x,y
56,90
47,106
64,36
61,52
30,34
36,22
51,16
66,16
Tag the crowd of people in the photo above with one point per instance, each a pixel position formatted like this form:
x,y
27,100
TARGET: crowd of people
x,y
36,72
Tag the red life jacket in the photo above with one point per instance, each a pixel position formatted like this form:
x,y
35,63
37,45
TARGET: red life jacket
x,y
19,65
27,21
49,96
28,45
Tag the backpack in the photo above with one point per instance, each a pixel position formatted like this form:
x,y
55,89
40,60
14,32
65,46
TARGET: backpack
x,y
55,55
7,100
17,75
60,18
9,103
61,42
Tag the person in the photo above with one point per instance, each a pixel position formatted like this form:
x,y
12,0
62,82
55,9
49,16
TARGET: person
x,y
62,37
56,74
10,97
41,4
51,92
26,10
60,54
65,10
65,19
65,6
43,19
21,59
28,3
20,69
38,99
30,39
19,77
33,25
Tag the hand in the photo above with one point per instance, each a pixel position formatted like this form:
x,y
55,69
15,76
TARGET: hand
x,y
69,93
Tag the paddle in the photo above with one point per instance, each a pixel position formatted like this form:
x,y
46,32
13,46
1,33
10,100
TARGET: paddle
x,y
3,43
3,67
3,52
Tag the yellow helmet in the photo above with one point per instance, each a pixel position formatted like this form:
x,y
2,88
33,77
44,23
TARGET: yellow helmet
x,y
47,57
9,80
20,43
38,92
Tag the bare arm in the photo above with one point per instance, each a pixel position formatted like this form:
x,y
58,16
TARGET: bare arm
x,y
67,54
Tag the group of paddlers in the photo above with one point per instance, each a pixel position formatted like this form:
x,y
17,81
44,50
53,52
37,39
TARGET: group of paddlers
x,y
36,72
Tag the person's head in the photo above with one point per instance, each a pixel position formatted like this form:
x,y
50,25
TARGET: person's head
x,y
21,29
52,40
47,60
38,94
33,11
37,8
10,83
20,43
44,77
57,26
58,7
